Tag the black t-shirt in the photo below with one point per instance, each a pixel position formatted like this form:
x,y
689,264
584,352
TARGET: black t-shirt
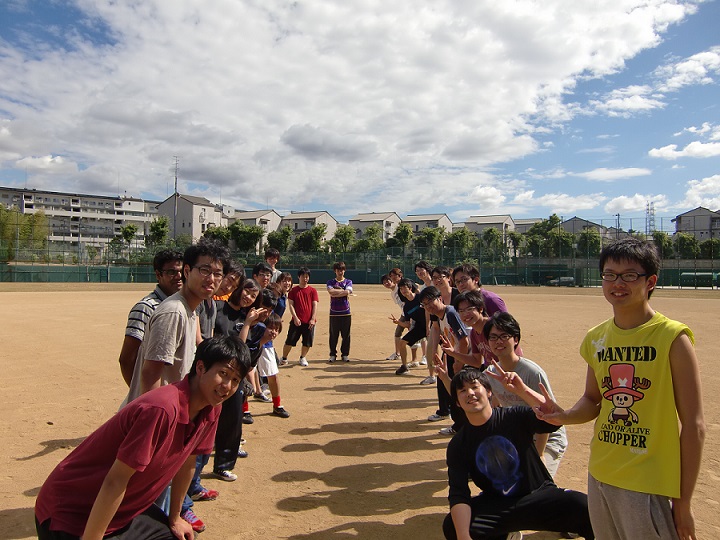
x,y
500,456
413,310
228,319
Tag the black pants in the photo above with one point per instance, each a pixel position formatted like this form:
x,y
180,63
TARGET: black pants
x,y
229,432
152,524
549,508
340,326
446,404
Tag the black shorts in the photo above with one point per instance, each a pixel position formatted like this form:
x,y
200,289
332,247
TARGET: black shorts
x,y
304,330
415,334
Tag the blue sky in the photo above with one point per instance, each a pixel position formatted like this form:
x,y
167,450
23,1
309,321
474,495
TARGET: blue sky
x,y
467,108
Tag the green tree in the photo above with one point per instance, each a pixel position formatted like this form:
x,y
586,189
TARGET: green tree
x,y
664,244
710,248
403,235
280,239
221,234
128,232
492,242
159,231
430,238
686,245
559,243
246,237
34,230
462,241
589,243
311,239
371,240
516,239
342,238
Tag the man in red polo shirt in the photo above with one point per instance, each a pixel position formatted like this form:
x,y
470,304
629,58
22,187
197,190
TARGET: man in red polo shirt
x,y
106,487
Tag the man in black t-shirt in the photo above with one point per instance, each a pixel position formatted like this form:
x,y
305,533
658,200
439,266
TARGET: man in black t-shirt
x,y
413,318
495,449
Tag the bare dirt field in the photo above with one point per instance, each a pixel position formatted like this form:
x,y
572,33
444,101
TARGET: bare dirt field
x,y
357,458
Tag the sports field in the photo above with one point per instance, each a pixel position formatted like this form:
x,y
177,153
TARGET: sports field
x,y
356,459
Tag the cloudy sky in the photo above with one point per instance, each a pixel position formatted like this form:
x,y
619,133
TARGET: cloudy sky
x,y
591,107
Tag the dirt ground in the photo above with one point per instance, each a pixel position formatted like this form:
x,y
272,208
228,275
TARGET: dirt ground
x,y
357,458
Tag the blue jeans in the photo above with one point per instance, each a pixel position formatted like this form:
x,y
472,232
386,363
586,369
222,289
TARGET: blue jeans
x,y
195,487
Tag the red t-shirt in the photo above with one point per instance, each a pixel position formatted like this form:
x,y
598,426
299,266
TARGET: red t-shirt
x,y
303,299
153,435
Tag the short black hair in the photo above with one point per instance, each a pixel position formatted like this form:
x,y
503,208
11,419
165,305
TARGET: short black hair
x,y
442,270
282,276
303,271
409,283
268,299
431,293
474,298
234,267
502,320
466,376
165,256
424,265
384,278
633,250
262,267
272,252
222,349
274,321
340,265
468,269
205,247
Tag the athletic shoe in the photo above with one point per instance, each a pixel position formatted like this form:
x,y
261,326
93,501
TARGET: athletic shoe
x,y
262,397
242,441
414,363
345,358
247,418
283,361
205,495
515,535
402,370
449,431
437,417
429,380
227,476
332,359
242,453
281,412
303,361
393,356
195,522
265,388
423,362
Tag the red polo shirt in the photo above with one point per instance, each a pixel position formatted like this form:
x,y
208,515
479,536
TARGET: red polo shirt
x,y
153,435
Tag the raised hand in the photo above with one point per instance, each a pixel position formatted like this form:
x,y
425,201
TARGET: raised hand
x,y
550,412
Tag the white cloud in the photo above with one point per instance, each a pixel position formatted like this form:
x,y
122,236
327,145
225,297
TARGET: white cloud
x,y
697,69
611,175
54,164
635,203
705,192
694,150
560,203
268,103
627,101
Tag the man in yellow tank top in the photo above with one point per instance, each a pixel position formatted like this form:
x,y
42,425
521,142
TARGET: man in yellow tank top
x,y
642,377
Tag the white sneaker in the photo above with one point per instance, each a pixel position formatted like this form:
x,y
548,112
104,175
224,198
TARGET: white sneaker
x,y
303,361
423,362
413,364
393,356
449,431
436,417
515,535
429,380
332,359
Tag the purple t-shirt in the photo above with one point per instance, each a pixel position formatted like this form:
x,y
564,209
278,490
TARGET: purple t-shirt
x,y
339,305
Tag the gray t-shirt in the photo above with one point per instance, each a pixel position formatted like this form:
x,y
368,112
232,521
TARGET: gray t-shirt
x,y
169,338
531,374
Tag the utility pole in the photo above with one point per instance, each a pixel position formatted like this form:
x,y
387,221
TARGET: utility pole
x,y
176,199
617,229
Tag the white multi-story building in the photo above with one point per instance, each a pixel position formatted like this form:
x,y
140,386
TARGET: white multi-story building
x,y
193,215
303,221
76,218
388,222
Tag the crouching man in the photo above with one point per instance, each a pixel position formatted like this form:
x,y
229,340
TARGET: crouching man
x,y
106,487
496,450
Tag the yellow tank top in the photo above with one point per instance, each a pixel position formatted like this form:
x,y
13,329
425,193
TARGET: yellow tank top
x,y
636,441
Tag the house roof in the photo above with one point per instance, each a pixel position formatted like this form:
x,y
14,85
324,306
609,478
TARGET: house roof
x,y
373,216
252,214
498,218
425,217
305,215
699,209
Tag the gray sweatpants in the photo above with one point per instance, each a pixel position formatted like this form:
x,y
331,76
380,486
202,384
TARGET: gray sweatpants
x,y
620,514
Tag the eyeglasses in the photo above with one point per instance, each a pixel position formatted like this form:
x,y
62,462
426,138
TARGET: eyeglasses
x,y
466,310
499,337
439,277
171,272
627,277
463,279
264,275
427,303
206,271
